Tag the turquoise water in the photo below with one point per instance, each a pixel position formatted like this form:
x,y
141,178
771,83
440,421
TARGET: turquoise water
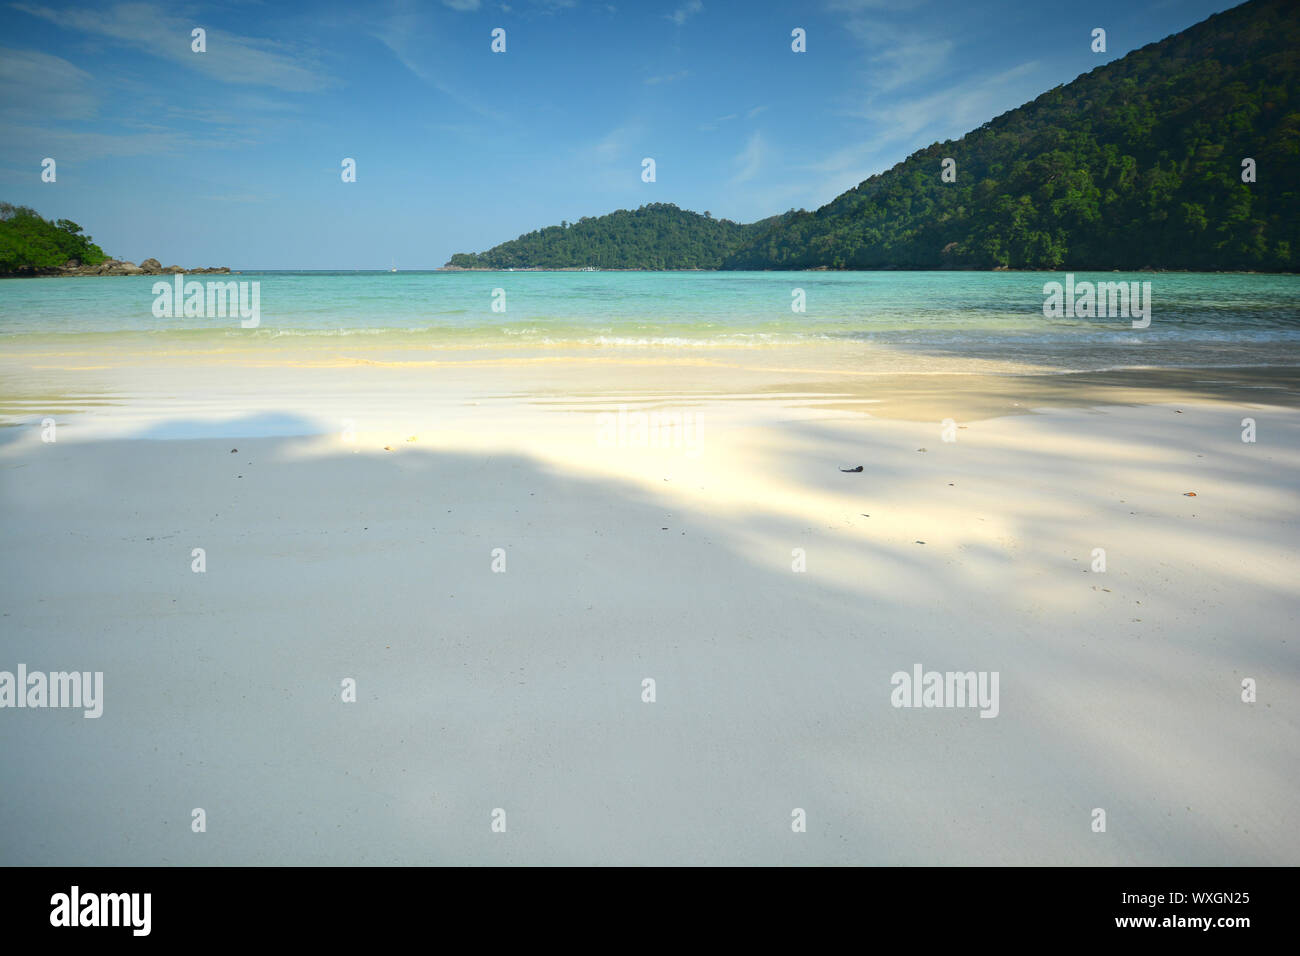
x,y
1197,319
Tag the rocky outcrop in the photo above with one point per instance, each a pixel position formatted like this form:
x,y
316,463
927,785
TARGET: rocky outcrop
x,y
120,267
113,267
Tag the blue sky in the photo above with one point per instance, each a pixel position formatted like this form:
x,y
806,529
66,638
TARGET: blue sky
x,y
232,157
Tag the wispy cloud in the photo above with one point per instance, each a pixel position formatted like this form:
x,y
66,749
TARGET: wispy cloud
x,y
667,78
900,50
82,145
230,58
615,144
909,92
715,123
37,84
710,125
609,164
687,10
949,113
908,60
49,103
236,107
543,8
749,160
904,125
462,5
409,37
859,8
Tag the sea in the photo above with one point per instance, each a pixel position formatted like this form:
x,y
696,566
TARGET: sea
x,y
1196,320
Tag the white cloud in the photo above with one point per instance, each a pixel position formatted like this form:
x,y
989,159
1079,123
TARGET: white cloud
x,y
230,58
464,6
33,83
609,165
710,125
687,10
551,6
911,91
899,50
715,123
750,159
909,60
904,126
82,145
846,167
408,38
856,9
614,145
949,113
667,78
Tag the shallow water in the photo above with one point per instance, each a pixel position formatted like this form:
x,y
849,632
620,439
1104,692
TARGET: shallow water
x,y
1197,320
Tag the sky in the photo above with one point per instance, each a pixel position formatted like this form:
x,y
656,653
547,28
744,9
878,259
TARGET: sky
x,y
233,156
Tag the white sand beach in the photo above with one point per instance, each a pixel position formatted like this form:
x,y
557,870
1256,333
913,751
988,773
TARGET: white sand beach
x,y
330,558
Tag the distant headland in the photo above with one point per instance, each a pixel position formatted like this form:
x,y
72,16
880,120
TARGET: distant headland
x,y
31,246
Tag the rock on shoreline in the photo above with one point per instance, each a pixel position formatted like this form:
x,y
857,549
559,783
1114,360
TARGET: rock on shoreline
x,y
120,267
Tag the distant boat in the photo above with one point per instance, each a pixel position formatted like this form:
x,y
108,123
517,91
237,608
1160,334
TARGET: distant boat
x,y
394,264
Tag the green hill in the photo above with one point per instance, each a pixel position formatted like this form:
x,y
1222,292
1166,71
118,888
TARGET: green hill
x,y
656,236
1135,164
30,244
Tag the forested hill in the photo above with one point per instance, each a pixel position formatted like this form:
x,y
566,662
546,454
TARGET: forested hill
x,y
657,236
1137,163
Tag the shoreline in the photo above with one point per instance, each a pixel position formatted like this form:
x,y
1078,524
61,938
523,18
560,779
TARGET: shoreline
x,y
225,270
1059,269
330,379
